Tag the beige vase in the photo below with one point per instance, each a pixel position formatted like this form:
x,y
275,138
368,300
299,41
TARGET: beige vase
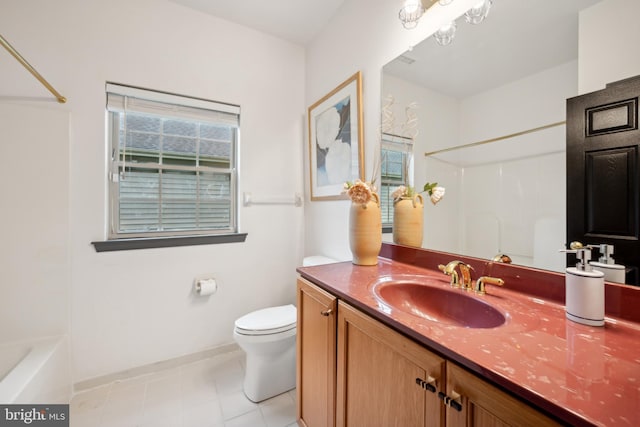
x,y
365,231
408,221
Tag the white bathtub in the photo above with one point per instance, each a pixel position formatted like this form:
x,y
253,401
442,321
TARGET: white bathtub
x,y
35,372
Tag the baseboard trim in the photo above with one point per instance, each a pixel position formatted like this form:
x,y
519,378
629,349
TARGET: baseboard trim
x,y
153,367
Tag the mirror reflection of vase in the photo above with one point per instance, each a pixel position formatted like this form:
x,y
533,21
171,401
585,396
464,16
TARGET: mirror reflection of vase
x,y
365,231
408,221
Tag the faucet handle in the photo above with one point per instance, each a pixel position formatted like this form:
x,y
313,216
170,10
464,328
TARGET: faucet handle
x,y
449,270
480,283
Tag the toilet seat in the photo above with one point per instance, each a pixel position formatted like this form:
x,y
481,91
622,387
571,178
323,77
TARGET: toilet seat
x,y
268,321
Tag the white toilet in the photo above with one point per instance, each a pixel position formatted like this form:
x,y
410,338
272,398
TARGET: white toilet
x,y
268,336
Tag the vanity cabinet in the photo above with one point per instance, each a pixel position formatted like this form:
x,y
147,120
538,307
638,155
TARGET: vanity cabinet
x,y
355,371
384,379
316,355
483,405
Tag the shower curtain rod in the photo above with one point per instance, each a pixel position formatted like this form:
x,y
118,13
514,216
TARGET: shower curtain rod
x,y
61,99
500,138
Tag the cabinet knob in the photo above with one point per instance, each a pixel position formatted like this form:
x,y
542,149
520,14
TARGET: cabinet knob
x,y
327,312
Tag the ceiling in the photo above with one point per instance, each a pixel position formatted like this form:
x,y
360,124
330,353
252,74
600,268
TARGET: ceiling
x,y
295,20
518,39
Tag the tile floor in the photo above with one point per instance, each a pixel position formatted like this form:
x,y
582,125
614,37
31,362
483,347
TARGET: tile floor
x,y
207,393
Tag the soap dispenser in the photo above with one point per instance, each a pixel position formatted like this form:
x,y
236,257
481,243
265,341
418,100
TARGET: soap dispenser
x,y
612,272
584,289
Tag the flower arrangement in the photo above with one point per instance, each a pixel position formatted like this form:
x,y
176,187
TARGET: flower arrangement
x,y
435,193
359,191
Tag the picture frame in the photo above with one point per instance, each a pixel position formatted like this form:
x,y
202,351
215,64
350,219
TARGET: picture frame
x,y
336,153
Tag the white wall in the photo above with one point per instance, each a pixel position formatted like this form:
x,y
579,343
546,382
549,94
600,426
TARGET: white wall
x,y
536,100
133,308
607,45
34,181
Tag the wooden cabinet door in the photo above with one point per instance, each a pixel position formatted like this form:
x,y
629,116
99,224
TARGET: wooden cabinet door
x,y
484,405
603,172
382,376
316,355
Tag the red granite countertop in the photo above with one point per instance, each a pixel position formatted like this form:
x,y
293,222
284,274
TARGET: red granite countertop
x,y
579,374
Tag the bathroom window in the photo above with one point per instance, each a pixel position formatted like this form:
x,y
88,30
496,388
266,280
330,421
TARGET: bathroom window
x,y
397,166
172,165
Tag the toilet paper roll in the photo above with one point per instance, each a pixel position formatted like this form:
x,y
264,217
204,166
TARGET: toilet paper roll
x,y
206,287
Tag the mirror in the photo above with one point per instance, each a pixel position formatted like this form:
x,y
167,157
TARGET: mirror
x,y
490,115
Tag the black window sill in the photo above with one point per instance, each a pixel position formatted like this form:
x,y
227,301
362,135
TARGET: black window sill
x,y
166,242
387,229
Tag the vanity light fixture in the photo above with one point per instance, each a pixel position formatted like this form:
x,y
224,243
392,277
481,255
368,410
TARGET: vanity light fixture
x,y
474,16
412,11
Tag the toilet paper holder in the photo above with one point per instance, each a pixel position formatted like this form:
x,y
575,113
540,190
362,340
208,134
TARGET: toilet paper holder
x,y
204,287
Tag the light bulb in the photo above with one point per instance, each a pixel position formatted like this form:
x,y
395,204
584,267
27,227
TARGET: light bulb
x,y
479,12
445,34
411,6
410,13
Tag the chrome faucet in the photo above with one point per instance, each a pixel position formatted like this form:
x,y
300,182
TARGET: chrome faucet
x,y
465,274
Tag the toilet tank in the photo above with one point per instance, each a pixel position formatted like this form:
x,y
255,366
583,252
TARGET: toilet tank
x,y
317,260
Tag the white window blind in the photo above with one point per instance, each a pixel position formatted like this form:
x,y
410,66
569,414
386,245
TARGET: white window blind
x,y
396,170
173,164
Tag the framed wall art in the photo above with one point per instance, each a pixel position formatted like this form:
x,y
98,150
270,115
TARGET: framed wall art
x,y
336,153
